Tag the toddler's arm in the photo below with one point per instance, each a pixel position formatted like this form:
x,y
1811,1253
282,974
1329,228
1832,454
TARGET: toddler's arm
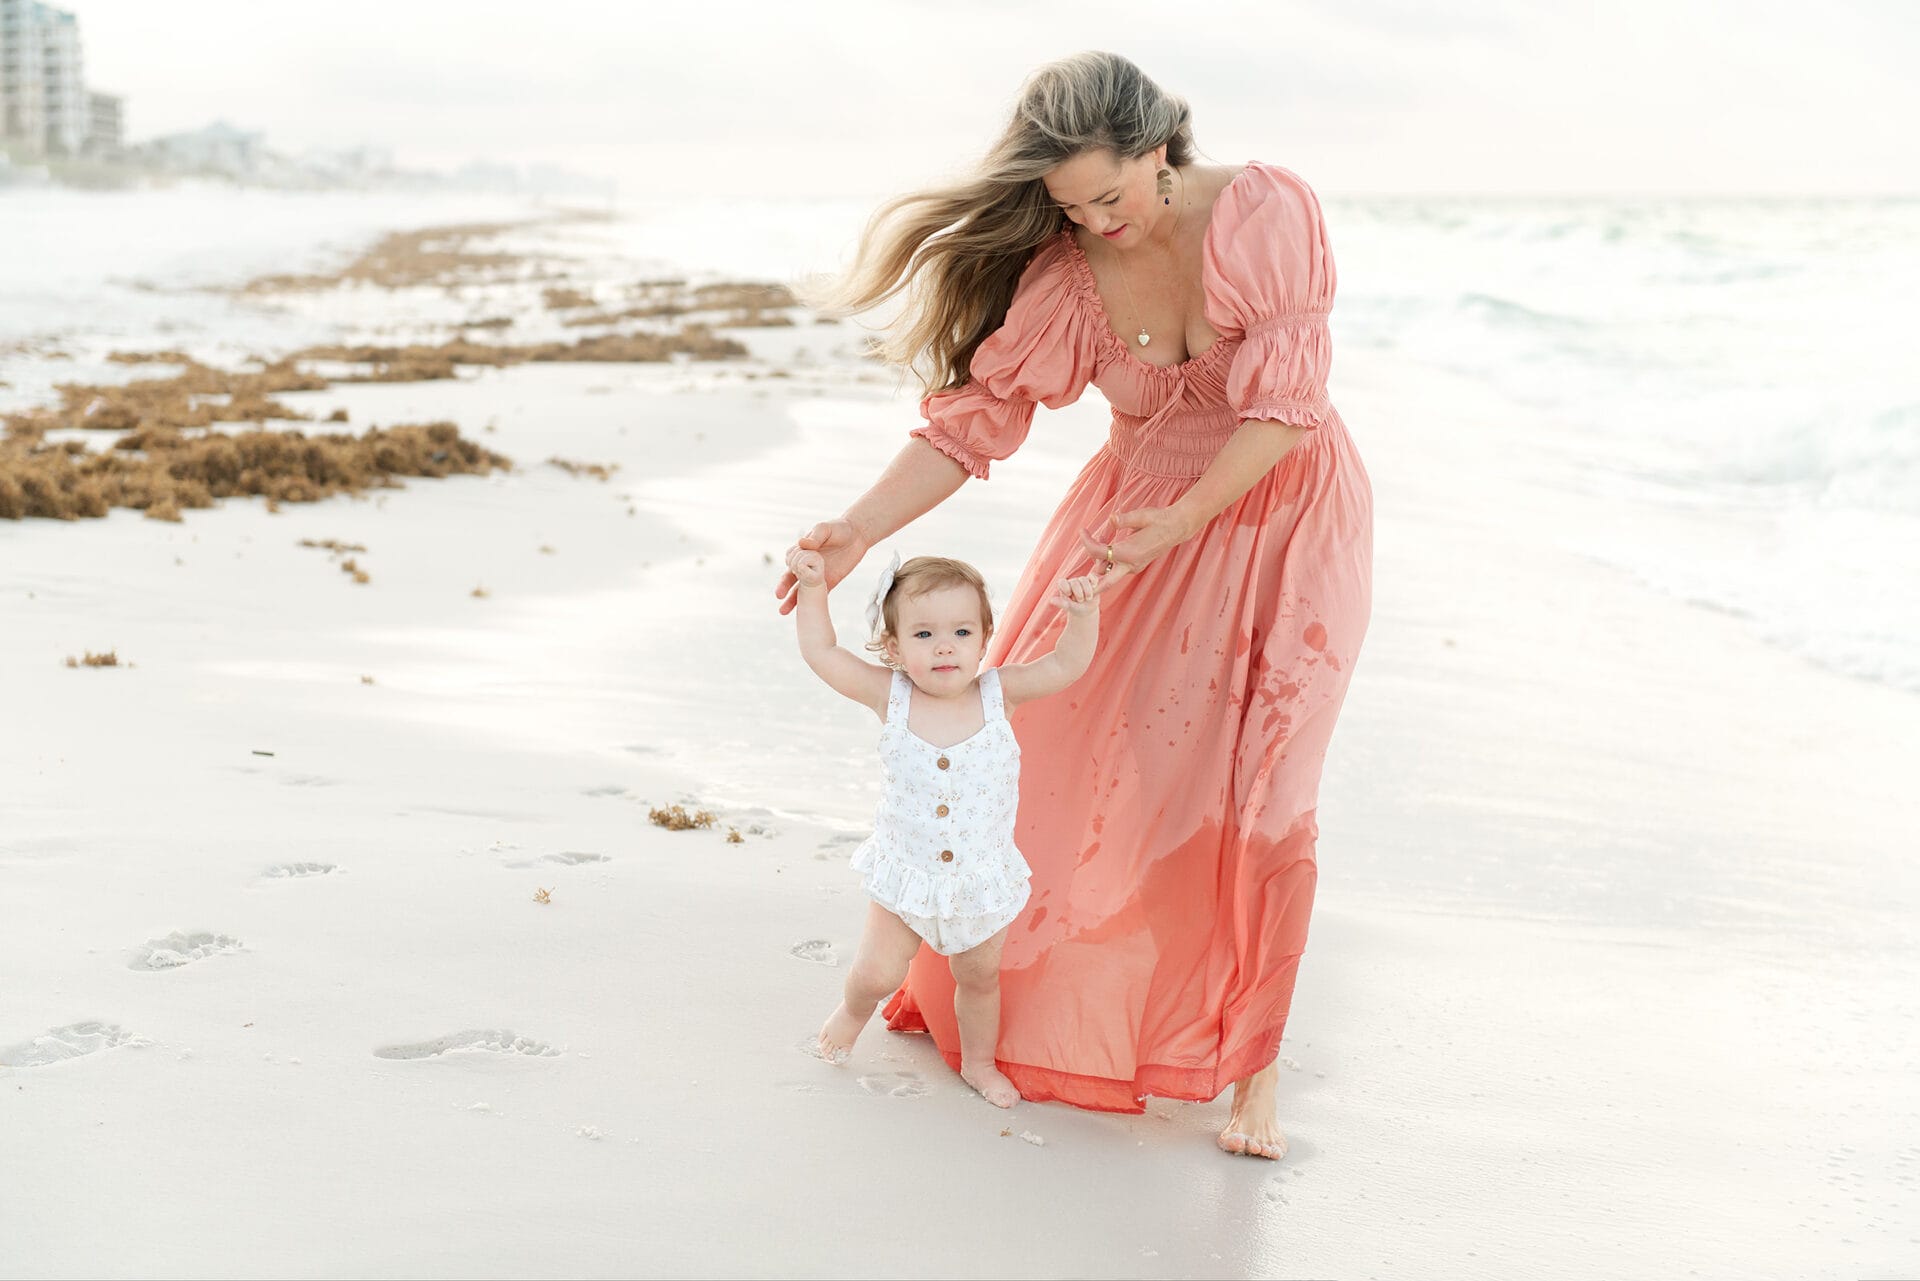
x,y
1072,653
859,680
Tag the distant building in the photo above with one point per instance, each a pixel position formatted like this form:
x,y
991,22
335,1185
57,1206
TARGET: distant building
x,y
217,149
23,102
106,125
344,165
43,93
62,83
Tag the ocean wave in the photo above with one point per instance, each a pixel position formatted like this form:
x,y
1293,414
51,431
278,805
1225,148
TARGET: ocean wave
x,y
1870,462
1506,312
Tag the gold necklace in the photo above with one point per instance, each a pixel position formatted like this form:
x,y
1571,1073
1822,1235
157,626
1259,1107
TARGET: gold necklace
x,y
1144,337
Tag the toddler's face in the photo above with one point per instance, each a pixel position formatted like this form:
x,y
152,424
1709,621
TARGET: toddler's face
x,y
940,640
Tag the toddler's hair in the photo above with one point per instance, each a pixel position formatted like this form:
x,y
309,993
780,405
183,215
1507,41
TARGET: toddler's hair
x,y
925,574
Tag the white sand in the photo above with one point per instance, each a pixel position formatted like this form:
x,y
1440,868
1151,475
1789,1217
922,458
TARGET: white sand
x,y
1611,972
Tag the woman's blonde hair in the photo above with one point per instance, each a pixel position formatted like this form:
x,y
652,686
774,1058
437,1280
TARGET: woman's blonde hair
x,y
919,576
957,251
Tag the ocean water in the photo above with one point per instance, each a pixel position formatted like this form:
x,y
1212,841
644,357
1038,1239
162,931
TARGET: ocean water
x,y
1719,388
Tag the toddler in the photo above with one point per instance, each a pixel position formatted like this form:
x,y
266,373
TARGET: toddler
x,y
941,866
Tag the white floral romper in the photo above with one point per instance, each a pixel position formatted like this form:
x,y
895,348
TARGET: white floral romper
x,y
942,857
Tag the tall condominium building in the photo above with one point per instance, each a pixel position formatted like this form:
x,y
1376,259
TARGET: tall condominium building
x,y
62,82
23,115
106,125
43,94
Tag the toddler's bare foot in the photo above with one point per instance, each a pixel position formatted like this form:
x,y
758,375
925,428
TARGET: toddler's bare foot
x,y
839,1033
992,1084
1252,1129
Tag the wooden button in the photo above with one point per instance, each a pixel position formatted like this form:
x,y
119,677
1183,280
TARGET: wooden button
x,y
941,812
942,762
946,856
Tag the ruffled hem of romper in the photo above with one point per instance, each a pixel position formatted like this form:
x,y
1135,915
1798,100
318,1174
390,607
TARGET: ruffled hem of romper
x,y
904,888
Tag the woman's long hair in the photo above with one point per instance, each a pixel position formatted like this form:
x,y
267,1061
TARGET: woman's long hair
x,y
957,251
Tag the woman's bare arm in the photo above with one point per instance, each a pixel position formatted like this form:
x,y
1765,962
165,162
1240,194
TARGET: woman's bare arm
x,y
1255,449
918,479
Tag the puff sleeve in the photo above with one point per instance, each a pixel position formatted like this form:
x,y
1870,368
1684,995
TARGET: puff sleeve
x,y
1267,272
1042,354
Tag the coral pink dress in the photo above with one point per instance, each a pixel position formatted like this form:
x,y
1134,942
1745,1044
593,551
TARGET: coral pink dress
x,y
1167,797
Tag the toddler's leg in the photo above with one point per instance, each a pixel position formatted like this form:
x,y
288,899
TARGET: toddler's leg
x,y
887,947
976,1004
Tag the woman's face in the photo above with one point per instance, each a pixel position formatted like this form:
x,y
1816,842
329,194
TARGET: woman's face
x,y
1113,198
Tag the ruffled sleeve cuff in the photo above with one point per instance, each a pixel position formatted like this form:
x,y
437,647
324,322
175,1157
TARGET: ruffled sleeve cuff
x,y
1280,371
1309,414
950,446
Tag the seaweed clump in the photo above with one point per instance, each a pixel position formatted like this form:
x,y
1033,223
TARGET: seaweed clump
x,y
741,305
162,472
425,362
404,259
599,471
676,819
198,396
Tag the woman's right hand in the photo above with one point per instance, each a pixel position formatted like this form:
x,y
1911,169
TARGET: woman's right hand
x,y
840,546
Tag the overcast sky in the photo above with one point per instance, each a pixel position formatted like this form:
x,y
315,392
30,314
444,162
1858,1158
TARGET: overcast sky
x,y
828,97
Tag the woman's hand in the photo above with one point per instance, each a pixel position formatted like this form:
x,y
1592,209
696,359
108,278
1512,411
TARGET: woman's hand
x,y
1140,538
840,547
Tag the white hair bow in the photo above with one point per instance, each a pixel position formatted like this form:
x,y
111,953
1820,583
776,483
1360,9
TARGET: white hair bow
x,y
877,607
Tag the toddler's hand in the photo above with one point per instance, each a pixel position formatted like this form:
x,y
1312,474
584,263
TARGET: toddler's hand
x,y
1078,595
809,569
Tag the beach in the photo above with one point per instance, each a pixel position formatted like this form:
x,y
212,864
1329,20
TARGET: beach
x,y
340,940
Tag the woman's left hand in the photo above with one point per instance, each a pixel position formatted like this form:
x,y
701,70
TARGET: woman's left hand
x,y
1140,538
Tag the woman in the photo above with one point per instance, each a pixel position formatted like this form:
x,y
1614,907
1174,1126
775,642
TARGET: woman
x,y
1167,799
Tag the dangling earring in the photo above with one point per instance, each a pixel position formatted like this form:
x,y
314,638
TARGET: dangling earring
x,y
1164,186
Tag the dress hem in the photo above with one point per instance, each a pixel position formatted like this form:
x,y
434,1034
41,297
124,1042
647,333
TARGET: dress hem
x,y
1108,1094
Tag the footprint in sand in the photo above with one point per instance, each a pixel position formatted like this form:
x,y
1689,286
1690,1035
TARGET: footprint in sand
x,y
832,847
285,871
70,1042
181,948
819,951
566,858
485,1041
897,1085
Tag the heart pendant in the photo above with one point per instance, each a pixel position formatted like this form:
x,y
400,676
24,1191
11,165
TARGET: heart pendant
x,y
1143,337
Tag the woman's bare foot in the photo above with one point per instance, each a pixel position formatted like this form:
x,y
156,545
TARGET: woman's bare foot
x,y
841,1030
992,1084
1252,1128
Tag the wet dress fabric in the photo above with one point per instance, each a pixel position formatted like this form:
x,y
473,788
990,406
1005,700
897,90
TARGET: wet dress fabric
x,y
1167,798
942,856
